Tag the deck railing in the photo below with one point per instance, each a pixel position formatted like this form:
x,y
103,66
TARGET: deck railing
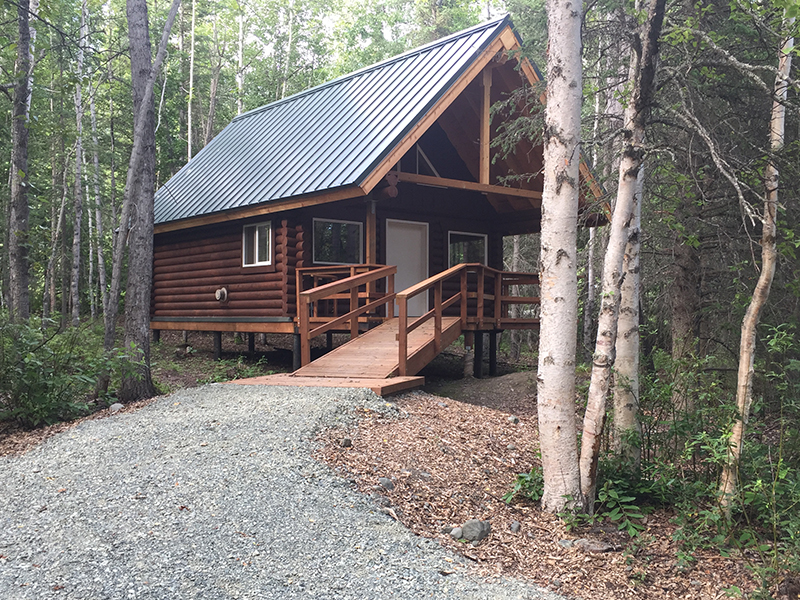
x,y
350,285
490,309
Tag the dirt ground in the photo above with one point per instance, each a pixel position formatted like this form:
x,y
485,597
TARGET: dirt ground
x,y
453,454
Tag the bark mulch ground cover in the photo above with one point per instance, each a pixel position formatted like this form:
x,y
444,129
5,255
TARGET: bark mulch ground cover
x,y
452,461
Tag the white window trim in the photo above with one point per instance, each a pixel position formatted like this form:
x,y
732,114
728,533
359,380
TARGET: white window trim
x,y
472,233
360,246
255,247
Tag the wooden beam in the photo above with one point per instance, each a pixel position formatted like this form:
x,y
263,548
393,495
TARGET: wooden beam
x,y
486,119
469,185
425,122
258,327
261,209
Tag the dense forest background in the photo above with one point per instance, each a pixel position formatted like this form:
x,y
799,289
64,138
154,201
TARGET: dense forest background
x,y
707,151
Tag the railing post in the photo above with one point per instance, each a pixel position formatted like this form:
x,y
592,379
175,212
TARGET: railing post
x,y
498,294
464,298
305,343
437,317
390,291
481,283
353,306
402,337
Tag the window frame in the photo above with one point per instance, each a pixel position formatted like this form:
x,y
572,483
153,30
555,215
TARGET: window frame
x,y
255,227
343,222
485,237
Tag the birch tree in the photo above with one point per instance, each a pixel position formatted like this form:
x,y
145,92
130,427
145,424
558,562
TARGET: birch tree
x,y
558,256
644,52
78,198
769,259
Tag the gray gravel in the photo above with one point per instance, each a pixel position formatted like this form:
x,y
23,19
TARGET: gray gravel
x,y
213,493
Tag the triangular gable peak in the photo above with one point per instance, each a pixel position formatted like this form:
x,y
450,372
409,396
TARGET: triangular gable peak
x,y
341,139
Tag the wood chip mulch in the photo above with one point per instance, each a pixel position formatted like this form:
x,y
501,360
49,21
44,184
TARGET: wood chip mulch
x,y
452,461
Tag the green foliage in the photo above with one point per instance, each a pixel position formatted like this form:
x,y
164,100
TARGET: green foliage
x,y
230,369
529,486
47,375
619,508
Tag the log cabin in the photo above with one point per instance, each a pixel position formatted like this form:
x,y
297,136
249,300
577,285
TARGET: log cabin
x,y
376,199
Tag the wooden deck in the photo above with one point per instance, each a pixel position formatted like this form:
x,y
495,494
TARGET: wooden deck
x,y
382,387
374,354
370,360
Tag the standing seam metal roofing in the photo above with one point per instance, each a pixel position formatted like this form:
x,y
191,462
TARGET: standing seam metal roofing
x,y
328,137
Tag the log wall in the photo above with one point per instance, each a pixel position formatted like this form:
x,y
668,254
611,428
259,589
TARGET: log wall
x,y
189,267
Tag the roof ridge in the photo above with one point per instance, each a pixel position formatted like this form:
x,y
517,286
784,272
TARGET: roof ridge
x,y
342,78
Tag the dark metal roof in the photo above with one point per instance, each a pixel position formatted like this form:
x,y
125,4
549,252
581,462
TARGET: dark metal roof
x,y
328,137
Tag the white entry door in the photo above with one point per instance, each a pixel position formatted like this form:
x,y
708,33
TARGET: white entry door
x,y
407,248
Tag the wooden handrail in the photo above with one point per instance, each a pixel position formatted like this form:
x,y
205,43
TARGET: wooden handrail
x,y
334,291
497,296
354,281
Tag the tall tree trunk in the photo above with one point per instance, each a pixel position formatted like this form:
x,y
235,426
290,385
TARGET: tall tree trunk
x,y
643,71
78,200
769,258
240,65
190,95
91,246
212,101
288,60
101,262
558,260
627,428
588,311
19,287
138,199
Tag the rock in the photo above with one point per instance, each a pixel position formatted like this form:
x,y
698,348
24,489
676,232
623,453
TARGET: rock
x,y
515,526
511,447
442,404
448,529
346,443
593,546
456,533
475,530
566,543
424,476
386,483
556,583
513,419
115,408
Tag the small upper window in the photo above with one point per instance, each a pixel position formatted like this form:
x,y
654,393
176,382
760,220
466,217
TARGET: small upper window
x,y
256,244
337,242
467,248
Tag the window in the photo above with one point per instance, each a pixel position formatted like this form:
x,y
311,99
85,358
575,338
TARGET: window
x,y
257,244
467,247
337,242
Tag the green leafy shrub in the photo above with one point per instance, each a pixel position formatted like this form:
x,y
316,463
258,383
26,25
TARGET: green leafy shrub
x,y
527,485
47,375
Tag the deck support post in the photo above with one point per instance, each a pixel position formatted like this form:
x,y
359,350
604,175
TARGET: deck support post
x,y
251,343
328,341
156,336
296,352
477,365
492,353
217,345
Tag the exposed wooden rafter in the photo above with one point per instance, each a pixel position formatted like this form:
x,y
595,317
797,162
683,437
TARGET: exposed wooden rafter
x,y
472,186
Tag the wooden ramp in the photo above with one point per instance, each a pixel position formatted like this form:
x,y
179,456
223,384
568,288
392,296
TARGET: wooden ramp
x,y
375,353
370,360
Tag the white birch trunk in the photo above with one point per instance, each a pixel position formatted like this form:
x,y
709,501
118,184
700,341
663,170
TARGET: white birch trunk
x,y
240,66
627,428
191,85
769,258
101,263
558,260
78,200
642,70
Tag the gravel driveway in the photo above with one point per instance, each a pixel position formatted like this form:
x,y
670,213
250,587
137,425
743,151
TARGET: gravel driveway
x,y
213,493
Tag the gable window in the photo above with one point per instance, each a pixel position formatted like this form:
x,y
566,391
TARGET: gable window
x,y
257,245
337,242
467,247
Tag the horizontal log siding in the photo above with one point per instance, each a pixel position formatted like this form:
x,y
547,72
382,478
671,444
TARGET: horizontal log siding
x,y
189,267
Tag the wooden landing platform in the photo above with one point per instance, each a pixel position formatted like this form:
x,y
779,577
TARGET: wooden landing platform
x,y
374,354
382,387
